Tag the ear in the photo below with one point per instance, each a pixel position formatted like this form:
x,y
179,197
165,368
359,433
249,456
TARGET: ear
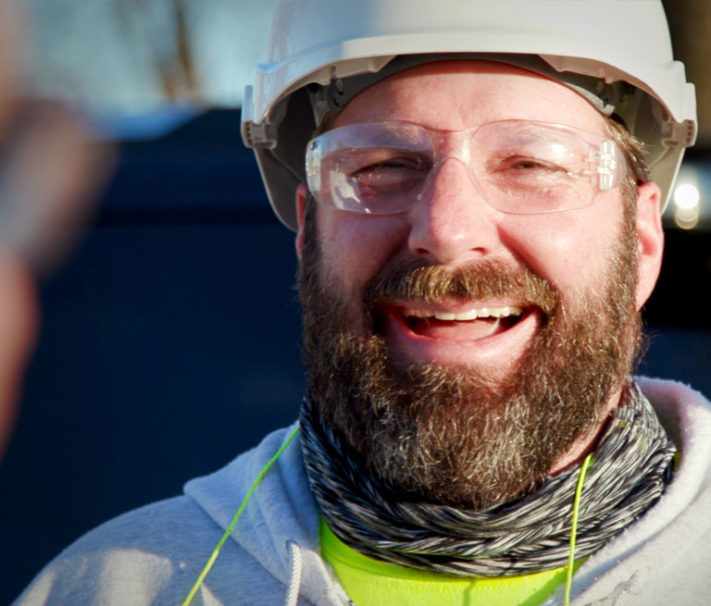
x,y
650,240
301,195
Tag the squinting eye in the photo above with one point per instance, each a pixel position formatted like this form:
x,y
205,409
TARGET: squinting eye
x,y
392,165
531,164
395,173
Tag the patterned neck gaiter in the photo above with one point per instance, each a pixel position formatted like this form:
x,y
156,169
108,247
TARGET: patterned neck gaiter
x,y
631,468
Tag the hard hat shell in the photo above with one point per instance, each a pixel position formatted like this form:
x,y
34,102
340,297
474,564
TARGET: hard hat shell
x,y
616,52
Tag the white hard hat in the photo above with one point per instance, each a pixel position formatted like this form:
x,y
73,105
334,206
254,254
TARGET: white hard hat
x,y
617,53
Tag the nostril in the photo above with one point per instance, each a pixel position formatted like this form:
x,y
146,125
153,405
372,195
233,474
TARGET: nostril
x,y
421,252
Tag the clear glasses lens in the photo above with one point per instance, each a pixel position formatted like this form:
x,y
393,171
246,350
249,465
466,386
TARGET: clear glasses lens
x,y
517,166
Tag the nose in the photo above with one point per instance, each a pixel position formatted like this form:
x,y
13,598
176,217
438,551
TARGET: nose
x,y
451,223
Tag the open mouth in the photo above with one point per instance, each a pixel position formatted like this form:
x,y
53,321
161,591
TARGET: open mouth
x,y
473,323
457,332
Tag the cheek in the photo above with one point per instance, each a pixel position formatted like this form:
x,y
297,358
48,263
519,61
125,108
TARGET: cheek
x,y
568,249
355,247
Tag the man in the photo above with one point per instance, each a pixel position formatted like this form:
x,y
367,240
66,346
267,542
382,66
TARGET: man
x,y
478,226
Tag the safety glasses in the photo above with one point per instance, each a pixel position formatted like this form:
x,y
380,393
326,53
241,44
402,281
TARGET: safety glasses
x,y
518,166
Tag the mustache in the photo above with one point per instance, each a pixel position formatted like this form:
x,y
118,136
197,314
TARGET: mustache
x,y
419,281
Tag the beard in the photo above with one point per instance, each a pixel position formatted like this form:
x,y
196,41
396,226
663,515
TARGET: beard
x,y
452,435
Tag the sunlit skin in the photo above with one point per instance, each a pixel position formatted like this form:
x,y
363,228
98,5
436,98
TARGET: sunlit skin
x,y
453,226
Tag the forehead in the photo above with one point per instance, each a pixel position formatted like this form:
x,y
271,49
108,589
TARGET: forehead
x,y
453,95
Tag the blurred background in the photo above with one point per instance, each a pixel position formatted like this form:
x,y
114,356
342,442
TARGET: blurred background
x,y
170,340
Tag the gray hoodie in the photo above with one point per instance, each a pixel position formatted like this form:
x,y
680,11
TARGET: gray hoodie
x,y
154,554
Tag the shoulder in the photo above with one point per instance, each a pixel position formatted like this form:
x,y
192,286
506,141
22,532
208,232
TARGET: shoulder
x,y
154,554
148,556
684,412
137,547
676,530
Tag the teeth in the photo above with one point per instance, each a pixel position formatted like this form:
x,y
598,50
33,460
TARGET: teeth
x,y
463,316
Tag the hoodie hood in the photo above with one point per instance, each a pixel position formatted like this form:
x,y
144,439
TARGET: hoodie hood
x,y
280,520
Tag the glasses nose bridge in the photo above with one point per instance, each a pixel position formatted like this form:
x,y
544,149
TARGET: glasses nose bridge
x,y
452,145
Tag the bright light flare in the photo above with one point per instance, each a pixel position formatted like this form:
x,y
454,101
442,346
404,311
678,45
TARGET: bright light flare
x,y
687,196
687,207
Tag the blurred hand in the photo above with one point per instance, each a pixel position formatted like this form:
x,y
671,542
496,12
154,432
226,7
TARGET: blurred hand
x,y
48,173
18,324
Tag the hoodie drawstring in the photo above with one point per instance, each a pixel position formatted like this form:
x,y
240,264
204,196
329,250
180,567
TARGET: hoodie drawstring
x,y
292,594
216,552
